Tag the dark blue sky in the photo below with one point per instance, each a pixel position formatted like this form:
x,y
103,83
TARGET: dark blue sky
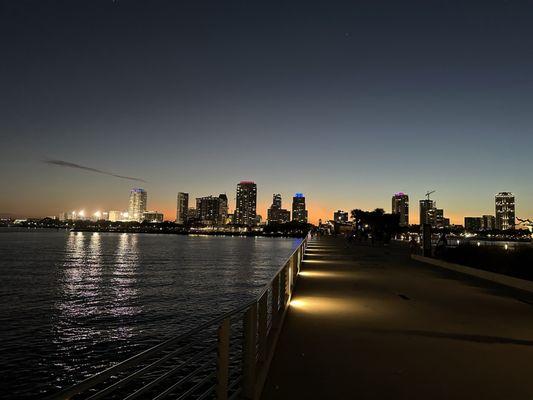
x,y
347,102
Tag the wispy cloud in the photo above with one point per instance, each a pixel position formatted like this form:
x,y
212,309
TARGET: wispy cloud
x,y
67,164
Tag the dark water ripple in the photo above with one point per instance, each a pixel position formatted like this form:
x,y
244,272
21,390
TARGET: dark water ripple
x,y
74,303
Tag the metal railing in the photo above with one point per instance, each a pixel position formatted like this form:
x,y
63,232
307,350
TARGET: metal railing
x,y
224,358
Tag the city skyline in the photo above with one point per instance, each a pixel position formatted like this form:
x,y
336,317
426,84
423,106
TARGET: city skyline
x,y
340,102
437,216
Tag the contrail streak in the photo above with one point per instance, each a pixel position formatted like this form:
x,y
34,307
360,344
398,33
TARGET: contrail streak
x,y
67,164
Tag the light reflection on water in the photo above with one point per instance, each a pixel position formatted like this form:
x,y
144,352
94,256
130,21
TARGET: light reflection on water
x,y
78,302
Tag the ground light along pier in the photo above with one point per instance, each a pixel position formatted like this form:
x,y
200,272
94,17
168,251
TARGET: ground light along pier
x,y
364,322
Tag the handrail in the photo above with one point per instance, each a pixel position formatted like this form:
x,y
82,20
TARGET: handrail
x,y
281,287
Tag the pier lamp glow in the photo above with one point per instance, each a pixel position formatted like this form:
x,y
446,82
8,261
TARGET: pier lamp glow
x,y
97,214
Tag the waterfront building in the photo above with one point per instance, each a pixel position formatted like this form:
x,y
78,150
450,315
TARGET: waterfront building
x,y
427,212
192,215
473,224
246,204
72,216
153,216
182,208
208,210
489,222
299,213
230,219
100,216
340,217
116,216
276,214
505,211
400,205
137,204
223,209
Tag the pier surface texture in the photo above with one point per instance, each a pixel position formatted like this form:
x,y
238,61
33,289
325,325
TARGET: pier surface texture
x,y
370,323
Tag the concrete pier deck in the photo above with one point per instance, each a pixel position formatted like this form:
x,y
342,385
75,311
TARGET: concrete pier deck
x,y
370,323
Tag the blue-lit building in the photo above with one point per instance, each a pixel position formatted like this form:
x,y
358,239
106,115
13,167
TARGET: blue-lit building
x,y
299,213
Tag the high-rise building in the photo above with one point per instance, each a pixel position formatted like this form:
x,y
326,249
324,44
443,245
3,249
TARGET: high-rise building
x,y
137,204
223,209
400,205
192,215
299,213
440,220
208,210
340,216
505,211
276,214
427,212
276,201
473,224
246,204
489,222
182,209
153,216
116,216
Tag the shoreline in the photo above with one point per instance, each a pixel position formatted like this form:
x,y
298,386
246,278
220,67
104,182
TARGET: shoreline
x,y
160,231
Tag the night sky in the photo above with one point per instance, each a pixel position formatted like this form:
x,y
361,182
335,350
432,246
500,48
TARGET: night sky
x,y
347,102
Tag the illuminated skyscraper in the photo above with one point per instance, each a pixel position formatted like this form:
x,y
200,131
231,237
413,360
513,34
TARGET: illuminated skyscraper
x,y
505,211
400,205
299,213
223,209
208,210
246,204
276,214
137,204
427,212
182,209
276,201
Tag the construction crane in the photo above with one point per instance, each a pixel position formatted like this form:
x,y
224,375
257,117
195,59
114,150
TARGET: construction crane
x,y
429,193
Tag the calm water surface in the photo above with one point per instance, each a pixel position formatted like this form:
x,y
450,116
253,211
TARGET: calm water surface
x,y
73,303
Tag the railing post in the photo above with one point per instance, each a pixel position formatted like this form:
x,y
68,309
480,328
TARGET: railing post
x,y
262,327
275,302
295,266
223,360
286,284
249,352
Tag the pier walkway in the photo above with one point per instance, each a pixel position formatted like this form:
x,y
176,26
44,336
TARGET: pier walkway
x,y
370,323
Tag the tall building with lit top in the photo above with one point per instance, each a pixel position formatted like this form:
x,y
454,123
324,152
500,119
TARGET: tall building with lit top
x,y
299,213
182,208
276,214
400,205
246,204
505,211
137,204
